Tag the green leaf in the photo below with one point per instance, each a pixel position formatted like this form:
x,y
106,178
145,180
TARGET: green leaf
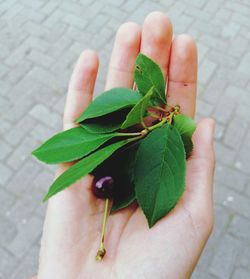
x,y
110,101
83,167
186,127
106,123
159,173
70,145
148,74
138,111
184,124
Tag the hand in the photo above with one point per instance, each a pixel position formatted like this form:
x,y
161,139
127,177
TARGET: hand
x,y
72,227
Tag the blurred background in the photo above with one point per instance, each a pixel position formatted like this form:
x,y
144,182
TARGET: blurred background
x,y
39,42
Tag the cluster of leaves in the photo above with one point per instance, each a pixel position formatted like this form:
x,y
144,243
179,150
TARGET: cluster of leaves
x,y
147,162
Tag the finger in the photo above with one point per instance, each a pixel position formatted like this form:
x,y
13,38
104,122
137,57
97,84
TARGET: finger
x,y
202,158
183,74
69,210
81,87
200,170
125,51
156,39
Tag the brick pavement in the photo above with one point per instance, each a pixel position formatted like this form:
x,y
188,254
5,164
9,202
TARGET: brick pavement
x,y
39,42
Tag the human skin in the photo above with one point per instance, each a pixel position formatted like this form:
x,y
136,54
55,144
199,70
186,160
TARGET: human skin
x,y
172,247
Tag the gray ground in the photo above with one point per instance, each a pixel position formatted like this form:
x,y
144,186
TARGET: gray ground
x,y
39,42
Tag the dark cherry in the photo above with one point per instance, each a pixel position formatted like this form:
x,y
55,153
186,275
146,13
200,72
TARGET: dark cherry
x,y
103,188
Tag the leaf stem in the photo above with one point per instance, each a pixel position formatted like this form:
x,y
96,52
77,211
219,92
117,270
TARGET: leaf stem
x,y
153,115
102,251
164,120
128,134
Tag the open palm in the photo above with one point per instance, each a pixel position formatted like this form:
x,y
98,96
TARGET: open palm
x,y
72,227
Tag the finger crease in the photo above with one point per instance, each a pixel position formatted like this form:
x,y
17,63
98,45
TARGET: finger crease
x,y
182,82
120,70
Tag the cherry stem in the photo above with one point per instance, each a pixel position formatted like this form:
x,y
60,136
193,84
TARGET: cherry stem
x,y
102,251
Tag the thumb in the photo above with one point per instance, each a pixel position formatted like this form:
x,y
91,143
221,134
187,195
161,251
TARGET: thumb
x,y
200,167
200,170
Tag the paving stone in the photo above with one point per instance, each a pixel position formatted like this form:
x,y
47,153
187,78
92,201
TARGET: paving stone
x,y
197,273
241,273
224,111
20,71
240,227
33,4
130,5
31,14
21,93
56,31
28,235
43,179
183,23
40,58
206,70
248,189
73,8
222,13
41,132
231,177
28,266
76,21
232,200
56,50
204,109
238,7
7,200
49,7
5,150
17,114
3,70
35,29
243,157
219,131
239,48
224,154
230,30
243,67
25,207
235,78
43,76
43,114
5,174
202,50
227,253
59,106
245,256
4,127
22,153
18,55
208,40
7,264
235,132
8,231
26,174
19,130
222,58
214,91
